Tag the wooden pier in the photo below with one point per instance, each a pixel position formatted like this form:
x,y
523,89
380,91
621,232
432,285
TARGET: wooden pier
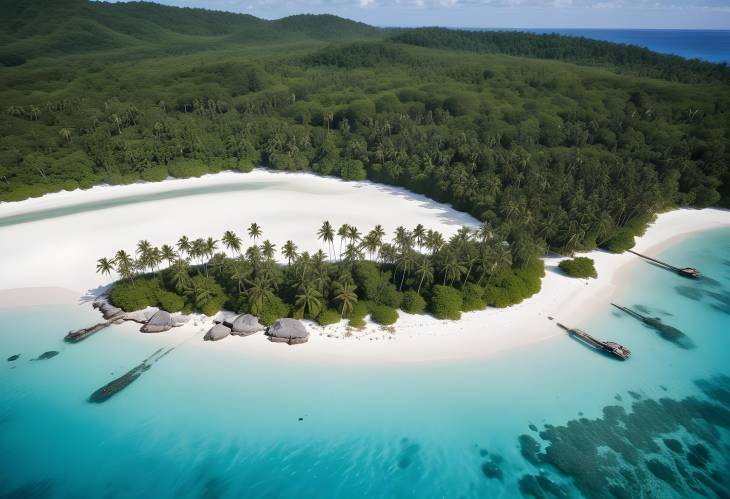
x,y
684,272
610,347
82,334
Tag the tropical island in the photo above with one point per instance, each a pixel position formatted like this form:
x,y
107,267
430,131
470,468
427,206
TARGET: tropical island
x,y
358,274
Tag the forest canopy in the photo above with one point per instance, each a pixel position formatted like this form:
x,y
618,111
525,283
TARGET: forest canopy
x,y
557,142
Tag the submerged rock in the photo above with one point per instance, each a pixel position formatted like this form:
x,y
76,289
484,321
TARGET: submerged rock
x,y
289,331
47,355
217,332
246,324
13,358
160,322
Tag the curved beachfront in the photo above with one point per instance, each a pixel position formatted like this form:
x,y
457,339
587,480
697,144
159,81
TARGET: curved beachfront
x,y
55,240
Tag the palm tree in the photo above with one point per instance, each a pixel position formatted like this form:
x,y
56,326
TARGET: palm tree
x,y
353,253
240,273
197,250
289,251
268,249
167,253
259,293
424,271
183,245
181,275
452,268
342,234
419,233
125,265
370,243
254,231
434,241
345,295
66,134
104,266
353,234
327,234
309,300
231,241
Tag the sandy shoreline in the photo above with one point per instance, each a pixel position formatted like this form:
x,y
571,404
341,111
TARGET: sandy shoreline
x,y
293,206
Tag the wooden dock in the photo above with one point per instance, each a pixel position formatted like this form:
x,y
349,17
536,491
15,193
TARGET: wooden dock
x,y
684,272
610,347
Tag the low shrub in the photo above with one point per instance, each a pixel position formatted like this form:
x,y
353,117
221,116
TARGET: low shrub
x,y
328,316
383,314
134,295
581,266
170,301
622,241
357,316
413,303
181,168
445,302
471,297
273,310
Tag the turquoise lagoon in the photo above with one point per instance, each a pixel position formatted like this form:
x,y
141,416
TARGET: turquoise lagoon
x,y
549,420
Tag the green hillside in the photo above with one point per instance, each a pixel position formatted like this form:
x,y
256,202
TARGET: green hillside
x,y
555,141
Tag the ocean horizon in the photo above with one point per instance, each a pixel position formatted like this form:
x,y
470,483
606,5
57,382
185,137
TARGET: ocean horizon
x,y
710,45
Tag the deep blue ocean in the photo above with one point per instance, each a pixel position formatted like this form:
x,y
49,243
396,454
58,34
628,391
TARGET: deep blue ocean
x,y
709,45
554,419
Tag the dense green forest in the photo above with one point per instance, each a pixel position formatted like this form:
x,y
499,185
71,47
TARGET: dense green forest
x,y
556,142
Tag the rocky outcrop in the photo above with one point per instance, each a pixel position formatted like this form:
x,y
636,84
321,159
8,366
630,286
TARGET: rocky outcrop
x,y
245,324
160,321
217,332
108,310
289,331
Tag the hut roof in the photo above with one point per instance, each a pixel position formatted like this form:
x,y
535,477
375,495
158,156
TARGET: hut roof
x,y
288,328
159,322
246,323
217,332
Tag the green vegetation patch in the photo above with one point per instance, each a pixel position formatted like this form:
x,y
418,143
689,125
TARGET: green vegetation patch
x,y
579,267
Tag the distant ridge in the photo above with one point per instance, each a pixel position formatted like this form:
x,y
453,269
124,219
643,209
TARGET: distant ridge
x,y
36,28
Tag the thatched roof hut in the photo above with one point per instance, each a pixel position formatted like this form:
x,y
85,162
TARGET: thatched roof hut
x,y
288,331
217,332
161,321
246,324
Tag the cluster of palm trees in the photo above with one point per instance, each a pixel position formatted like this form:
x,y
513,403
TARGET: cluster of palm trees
x,y
310,281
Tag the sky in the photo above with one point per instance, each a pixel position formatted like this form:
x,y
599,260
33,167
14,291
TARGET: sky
x,y
657,14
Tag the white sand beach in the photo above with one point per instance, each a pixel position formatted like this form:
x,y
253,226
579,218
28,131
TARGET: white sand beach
x,y
61,253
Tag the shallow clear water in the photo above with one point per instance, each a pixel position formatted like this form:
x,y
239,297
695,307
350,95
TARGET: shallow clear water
x,y
202,424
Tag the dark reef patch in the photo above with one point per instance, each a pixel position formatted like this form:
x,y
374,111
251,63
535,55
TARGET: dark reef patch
x,y
408,453
33,490
541,487
492,469
532,427
662,472
634,452
698,456
674,445
47,355
13,358
530,449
